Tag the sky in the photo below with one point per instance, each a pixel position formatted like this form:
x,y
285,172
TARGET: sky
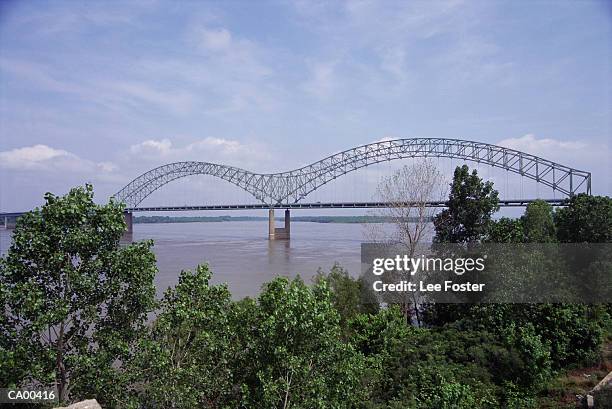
x,y
101,92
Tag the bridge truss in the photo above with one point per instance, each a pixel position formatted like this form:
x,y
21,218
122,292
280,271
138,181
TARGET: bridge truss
x,y
273,189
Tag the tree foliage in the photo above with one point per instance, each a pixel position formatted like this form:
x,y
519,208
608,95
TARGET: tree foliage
x,y
76,305
193,349
585,219
538,223
304,362
75,302
350,296
471,203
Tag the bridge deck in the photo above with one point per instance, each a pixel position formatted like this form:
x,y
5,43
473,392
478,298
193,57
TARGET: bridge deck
x,y
316,205
326,205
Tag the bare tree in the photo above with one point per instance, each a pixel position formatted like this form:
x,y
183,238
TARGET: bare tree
x,y
409,218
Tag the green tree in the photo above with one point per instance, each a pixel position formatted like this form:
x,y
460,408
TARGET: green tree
x,y
283,350
303,361
471,203
428,368
506,230
538,224
378,334
74,301
194,353
467,219
585,219
574,332
350,296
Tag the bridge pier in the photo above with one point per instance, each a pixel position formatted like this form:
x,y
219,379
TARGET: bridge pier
x,y
279,233
127,216
9,222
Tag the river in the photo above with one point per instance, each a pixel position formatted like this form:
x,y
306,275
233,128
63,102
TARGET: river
x,y
240,254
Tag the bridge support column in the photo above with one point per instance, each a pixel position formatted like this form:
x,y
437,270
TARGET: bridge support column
x,y
127,216
287,223
9,222
279,233
271,224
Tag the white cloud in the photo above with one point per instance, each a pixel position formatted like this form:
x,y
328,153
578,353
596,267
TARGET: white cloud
x,y
107,166
386,139
225,146
209,149
586,156
384,48
111,94
152,147
45,158
545,146
178,101
30,157
216,39
35,157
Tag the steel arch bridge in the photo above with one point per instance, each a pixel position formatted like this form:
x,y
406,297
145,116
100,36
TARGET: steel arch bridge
x,y
292,186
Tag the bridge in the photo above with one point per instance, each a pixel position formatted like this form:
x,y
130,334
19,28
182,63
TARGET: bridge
x,y
328,205
286,190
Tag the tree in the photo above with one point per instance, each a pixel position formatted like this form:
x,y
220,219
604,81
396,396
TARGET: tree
x,y
407,193
585,219
467,219
349,296
538,223
471,203
506,230
74,301
192,357
302,360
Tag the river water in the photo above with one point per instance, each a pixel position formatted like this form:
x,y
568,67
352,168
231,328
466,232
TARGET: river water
x,y
240,254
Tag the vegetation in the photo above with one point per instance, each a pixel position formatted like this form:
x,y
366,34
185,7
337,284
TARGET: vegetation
x,y
76,305
74,302
471,204
407,191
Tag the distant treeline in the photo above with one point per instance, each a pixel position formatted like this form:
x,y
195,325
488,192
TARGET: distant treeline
x,y
313,219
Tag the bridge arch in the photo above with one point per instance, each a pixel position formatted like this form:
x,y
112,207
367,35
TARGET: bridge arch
x,y
294,185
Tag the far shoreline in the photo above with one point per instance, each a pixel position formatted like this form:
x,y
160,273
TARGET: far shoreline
x,y
217,219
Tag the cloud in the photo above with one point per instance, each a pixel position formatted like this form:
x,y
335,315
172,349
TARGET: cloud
x,y
545,146
586,156
384,48
224,146
107,166
31,157
139,93
216,39
209,149
45,158
386,139
37,74
111,94
152,147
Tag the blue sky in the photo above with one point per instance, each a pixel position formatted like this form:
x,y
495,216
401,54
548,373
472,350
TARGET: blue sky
x,y
103,91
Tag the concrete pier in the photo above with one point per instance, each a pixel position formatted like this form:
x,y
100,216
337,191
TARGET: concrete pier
x,y
279,233
129,222
287,222
9,222
271,224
